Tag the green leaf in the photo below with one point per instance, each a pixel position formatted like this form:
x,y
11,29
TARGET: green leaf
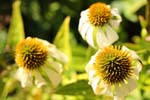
x,y
78,88
129,8
61,40
2,40
16,29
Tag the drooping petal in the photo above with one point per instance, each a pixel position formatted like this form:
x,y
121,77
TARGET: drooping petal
x,y
84,29
55,66
58,55
24,77
125,88
101,39
53,76
137,69
39,80
100,88
111,35
114,23
89,37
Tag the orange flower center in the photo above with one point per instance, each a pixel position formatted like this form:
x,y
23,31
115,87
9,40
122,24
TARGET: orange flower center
x,y
99,14
113,65
30,53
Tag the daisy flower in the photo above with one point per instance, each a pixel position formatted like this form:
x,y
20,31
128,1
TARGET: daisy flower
x,y
98,23
113,71
39,62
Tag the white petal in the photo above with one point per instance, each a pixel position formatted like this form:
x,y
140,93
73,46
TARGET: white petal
x,y
102,40
111,35
56,66
100,88
54,77
125,89
94,84
137,69
24,77
115,13
89,66
39,80
83,29
84,14
132,84
58,55
114,23
89,37
133,53
83,19
46,43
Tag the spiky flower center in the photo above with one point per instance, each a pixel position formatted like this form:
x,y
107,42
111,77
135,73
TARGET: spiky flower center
x,y
113,64
31,53
99,14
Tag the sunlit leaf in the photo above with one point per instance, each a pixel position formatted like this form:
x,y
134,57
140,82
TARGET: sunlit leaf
x,y
78,88
62,38
16,29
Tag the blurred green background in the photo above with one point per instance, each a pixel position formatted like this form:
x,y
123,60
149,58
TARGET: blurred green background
x,y
44,18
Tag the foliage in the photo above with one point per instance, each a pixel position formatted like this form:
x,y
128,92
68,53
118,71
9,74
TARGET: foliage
x,y
47,19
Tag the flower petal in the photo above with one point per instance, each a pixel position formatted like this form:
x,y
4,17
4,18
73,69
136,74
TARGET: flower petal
x,y
24,77
83,19
111,35
54,77
89,37
58,55
102,40
137,70
89,66
55,66
115,22
100,87
39,80
83,29
124,89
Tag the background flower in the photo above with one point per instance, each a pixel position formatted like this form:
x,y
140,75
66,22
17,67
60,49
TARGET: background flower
x,y
98,23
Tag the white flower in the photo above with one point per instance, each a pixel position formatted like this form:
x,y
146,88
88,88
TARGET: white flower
x,y
113,71
39,62
98,23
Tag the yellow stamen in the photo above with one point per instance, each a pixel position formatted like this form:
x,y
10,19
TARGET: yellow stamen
x,y
99,14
